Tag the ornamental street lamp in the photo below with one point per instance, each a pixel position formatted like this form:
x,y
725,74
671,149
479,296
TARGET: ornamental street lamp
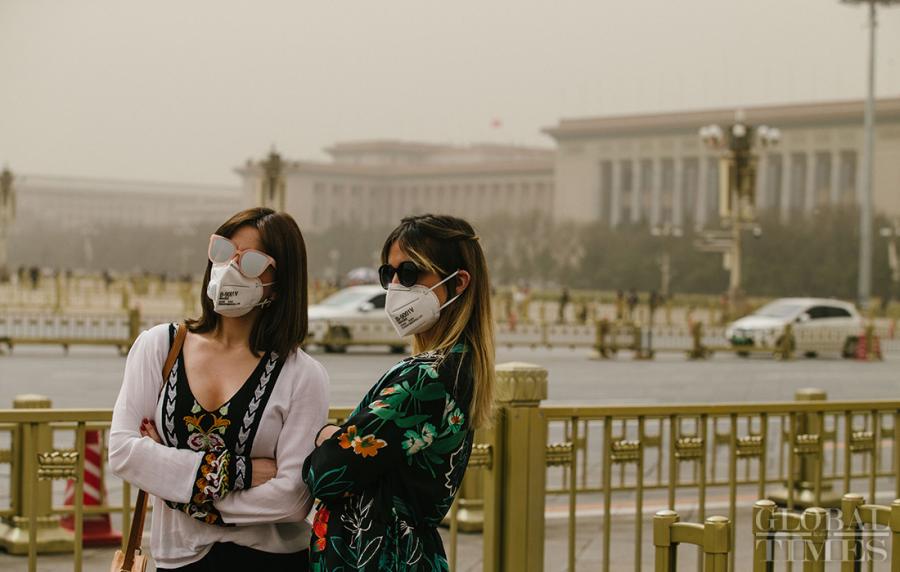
x,y
737,189
865,192
272,186
665,231
7,216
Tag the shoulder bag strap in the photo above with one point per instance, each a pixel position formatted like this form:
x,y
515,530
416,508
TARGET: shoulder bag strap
x,y
140,507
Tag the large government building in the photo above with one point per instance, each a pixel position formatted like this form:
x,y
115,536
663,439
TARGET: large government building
x,y
72,203
377,182
650,168
654,168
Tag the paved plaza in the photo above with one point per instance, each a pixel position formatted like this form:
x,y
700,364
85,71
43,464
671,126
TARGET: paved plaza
x,y
90,377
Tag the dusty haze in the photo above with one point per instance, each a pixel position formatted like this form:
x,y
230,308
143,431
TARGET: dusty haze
x,y
185,91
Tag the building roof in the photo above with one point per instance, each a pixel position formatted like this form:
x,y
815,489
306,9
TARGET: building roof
x,y
384,145
430,159
535,167
776,115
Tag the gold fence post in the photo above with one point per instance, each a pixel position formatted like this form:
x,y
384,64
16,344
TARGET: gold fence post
x,y
763,535
787,344
815,523
31,496
716,543
809,449
601,349
895,535
662,540
850,541
516,480
698,351
134,325
470,512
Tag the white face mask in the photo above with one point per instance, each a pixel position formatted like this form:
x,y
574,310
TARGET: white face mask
x,y
233,294
414,309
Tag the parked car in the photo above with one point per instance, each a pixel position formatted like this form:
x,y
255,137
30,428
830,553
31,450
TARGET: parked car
x,y
818,325
353,316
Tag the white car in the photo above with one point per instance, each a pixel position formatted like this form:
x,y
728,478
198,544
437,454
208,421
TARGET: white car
x,y
819,325
353,316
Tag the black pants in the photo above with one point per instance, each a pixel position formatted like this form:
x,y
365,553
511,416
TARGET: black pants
x,y
228,556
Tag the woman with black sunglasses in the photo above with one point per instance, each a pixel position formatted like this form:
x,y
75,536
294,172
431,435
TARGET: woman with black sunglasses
x,y
388,475
220,442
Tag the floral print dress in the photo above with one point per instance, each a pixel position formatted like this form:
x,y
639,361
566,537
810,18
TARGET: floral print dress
x,y
388,477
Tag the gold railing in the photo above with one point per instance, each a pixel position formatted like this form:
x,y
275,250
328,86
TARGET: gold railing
x,y
542,462
799,453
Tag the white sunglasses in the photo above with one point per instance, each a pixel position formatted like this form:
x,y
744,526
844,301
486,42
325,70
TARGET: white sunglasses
x,y
250,262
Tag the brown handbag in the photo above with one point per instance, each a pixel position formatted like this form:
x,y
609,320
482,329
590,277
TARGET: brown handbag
x,y
133,559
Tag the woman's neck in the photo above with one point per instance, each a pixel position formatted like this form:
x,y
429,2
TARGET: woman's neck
x,y
235,332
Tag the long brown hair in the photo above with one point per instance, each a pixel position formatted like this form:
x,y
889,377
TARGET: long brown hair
x,y
444,244
282,325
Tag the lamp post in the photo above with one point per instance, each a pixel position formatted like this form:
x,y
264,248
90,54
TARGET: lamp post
x,y
272,187
665,231
7,216
865,192
737,188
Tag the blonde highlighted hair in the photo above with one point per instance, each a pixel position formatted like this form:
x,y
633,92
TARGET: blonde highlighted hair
x,y
444,244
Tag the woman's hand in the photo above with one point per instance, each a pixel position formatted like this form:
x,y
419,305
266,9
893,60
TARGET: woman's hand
x,y
263,471
148,429
325,433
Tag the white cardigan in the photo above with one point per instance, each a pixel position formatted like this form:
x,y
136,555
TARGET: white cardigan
x,y
270,517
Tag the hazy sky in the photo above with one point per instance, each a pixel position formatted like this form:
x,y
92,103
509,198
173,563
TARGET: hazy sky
x,y
187,90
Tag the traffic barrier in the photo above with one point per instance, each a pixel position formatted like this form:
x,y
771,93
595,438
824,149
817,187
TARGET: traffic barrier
x,y
98,530
713,537
868,345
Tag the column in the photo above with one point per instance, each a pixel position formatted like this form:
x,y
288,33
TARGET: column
x,y
615,199
700,213
515,482
678,191
636,186
786,191
656,191
835,176
810,181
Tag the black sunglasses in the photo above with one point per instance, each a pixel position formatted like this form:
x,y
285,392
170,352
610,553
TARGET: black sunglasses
x,y
407,272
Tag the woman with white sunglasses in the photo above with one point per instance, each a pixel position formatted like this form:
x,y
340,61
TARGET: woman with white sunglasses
x,y
220,442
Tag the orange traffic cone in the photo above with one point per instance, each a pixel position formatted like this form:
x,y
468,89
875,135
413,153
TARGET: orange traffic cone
x,y
862,347
98,530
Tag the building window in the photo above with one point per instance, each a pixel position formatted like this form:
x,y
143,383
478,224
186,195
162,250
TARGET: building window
x,y
645,193
690,181
667,191
822,179
626,191
798,181
847,186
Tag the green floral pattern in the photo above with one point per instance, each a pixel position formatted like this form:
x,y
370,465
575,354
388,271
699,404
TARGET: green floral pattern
x,y
388,477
